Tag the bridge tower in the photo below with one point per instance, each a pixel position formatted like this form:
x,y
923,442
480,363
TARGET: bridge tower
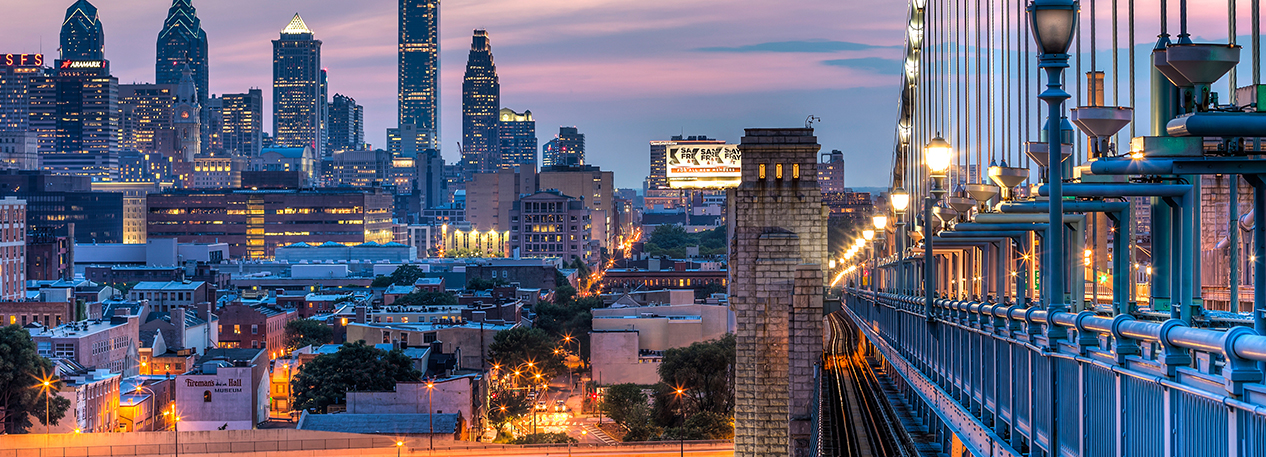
x,y
777,250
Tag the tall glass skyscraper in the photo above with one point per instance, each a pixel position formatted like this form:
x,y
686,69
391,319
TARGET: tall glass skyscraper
x,y
517,136
419,86
183,42
243,126
347,125
298,102
481,102
82,37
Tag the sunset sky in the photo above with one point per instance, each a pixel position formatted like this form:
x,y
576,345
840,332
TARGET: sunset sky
x,y
623,72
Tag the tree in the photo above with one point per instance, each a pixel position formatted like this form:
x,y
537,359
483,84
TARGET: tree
x,y
356,367
485,284
307,332
545,438
405,275
508,405
516,347
625,404
704,425
381,281
573,318
704,372
425,298
21,372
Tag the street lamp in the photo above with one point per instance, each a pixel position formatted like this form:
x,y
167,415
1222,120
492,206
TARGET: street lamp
x,y
939,155
399,445
430,405
900,200
1053,23
880,221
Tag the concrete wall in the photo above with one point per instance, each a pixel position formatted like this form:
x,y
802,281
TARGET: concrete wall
x,y
232,401
456,395
237,442
615,360
659,333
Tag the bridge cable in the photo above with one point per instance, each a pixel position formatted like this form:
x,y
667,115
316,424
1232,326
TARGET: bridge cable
x,y
979,123
1230,33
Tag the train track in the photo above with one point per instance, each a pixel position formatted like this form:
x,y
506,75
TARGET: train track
x,y
858,418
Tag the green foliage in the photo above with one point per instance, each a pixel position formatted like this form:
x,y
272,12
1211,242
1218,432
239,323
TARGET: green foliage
x,y
672,240
508,405
625,404
564,293
405,275
544,438
21,371
424,298
124,287
705,372
81,310
517,346
307,332
708,289
356,367
485,284
573,317
704,425
381,281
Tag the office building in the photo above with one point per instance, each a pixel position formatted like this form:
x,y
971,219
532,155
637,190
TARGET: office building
x,y
831,172
27,107
93,397
628,343
242,130
419,66
50,255
430,178
108,343
347,125
481,104
593,187
182,42
86,140
213,125
490,196
516,134
301,160
566,149
550,224
146,118
82,37
255,222
185,119
298,89
12,249
255,326
356,169
215,171
58,201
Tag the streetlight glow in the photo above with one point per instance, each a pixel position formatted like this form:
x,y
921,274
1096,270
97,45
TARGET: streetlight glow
x,y
900,199
868,235
939,155
881,221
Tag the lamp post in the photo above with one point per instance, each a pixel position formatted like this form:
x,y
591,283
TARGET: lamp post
x,y
47,387
900,200
881,226
1053,23
867,236
430,406
399,444
939,155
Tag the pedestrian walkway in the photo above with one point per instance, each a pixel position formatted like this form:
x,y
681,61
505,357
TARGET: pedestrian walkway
x,y
601,435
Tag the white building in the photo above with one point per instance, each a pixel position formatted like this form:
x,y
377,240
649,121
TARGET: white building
x,y
226,390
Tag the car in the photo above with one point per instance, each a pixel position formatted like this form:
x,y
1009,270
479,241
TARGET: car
x,y
560,406
540,405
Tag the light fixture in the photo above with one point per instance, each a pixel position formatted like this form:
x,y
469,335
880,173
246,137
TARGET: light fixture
x,y
859,242
939,155
868,234
900,199
881,221
1053,23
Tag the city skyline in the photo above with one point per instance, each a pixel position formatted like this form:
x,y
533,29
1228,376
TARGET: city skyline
x,y
570,63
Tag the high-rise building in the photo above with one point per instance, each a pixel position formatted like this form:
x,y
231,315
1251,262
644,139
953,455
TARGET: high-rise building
x,y
567,149
831,172
593,187
12,249
86,140
347,125
183,42
658,179
297,88
213,125
242,131
489,196
82,37
481,102
62,201
185,119
516,134
145,119
22,120
550,224
419,90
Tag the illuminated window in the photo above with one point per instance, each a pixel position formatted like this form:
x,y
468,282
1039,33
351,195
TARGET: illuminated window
x,y
795,171
778,171
237,329
762,171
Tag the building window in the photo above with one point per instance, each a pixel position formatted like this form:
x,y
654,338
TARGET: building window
x,y
254,329
206,396
237,329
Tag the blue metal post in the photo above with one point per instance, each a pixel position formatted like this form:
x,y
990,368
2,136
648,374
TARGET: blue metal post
x,y
1054,97
1233,234
1259,257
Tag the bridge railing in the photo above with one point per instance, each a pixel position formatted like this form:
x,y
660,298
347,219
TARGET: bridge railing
x,y
1013,380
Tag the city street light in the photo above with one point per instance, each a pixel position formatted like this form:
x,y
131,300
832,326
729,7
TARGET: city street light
x,y
1053,23
939,155
399,445
900,200
430,405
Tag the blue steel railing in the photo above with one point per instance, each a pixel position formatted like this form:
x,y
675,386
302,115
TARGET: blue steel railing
x,y
995,379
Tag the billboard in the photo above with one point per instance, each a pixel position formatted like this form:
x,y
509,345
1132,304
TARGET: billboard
x,y
704,166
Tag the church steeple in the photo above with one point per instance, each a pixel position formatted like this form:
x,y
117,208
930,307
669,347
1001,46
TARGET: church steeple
x,y
186,117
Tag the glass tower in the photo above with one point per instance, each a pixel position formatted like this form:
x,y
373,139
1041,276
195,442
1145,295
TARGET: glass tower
x,y
481,103
183,42
419,85
298,104
82,37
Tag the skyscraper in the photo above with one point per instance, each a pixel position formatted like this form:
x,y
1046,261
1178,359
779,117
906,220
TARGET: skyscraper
x,y
297,88
419,90
183,42
185,118
565,150
145,118
25,109
516,134
243,129
481,101
347,129
82,37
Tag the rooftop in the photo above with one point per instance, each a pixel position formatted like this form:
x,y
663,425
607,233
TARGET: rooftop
x,y
168,285
76,329
387,424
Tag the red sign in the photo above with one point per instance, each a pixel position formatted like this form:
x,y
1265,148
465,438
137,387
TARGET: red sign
x,y
23,60
83,64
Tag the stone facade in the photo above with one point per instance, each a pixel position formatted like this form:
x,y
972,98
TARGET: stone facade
x,y
778,247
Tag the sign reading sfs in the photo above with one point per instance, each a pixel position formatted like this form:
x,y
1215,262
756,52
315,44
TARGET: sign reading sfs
x,y
712,166
23,60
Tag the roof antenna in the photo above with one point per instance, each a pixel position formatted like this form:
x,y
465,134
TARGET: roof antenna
x,y
808,122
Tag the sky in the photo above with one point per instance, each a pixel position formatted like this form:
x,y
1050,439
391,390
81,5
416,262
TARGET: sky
x,y
624,72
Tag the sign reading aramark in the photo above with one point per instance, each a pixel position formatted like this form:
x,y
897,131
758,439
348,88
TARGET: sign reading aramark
x,y
704,166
